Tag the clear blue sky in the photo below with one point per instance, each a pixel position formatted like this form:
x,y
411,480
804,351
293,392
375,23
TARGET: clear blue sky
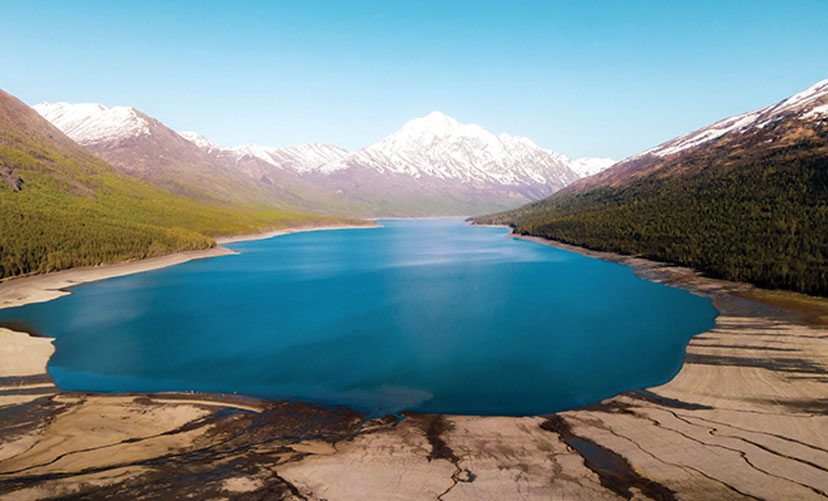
x,y
582,78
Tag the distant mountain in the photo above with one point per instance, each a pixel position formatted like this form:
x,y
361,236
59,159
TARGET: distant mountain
x,y
61,206
440,147
745,198
433,165
90,123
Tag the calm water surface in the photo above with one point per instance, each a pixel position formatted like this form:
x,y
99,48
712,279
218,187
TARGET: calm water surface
x,y
427,315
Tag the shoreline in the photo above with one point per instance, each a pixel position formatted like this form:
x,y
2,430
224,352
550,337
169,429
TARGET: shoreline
x,y
745,417
47,286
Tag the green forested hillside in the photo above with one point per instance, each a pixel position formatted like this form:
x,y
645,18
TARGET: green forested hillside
x,y
73,209
751,208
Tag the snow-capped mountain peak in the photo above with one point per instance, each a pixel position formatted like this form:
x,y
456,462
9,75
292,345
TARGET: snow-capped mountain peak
x,y
433,127
438,146
90,123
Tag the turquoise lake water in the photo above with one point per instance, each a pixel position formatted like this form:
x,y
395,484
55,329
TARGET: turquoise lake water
x,y
422,315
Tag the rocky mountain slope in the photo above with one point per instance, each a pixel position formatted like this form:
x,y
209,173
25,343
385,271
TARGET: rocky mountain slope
x,y
765,130
144,148
62,207
745,198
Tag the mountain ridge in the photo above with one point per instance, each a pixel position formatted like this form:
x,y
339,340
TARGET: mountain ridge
x,y
810,104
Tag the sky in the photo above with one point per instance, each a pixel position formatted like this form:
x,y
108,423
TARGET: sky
x,y
579,78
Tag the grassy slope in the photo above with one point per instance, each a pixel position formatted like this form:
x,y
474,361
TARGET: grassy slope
x,y
75,209
744,209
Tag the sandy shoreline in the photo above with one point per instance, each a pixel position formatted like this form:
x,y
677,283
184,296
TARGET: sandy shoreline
x,y
745,418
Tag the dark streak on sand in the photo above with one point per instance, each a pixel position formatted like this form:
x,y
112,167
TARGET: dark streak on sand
x,y
774,364
671,403
433,426
613,470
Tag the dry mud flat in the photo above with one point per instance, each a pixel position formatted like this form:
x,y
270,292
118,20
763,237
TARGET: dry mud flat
x,y
747,417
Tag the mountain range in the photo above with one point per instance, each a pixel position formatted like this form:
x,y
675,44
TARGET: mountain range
x,y
62,207
745,198
433,165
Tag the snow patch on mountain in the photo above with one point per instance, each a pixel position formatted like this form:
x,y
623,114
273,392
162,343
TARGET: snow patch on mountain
x,y
90,123
819,110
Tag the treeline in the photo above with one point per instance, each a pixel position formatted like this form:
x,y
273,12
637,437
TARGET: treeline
x,y
764,221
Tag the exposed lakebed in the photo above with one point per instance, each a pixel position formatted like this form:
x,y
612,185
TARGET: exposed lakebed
x,y
421,315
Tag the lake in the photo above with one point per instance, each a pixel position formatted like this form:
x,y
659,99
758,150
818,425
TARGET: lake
x,y
421,315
